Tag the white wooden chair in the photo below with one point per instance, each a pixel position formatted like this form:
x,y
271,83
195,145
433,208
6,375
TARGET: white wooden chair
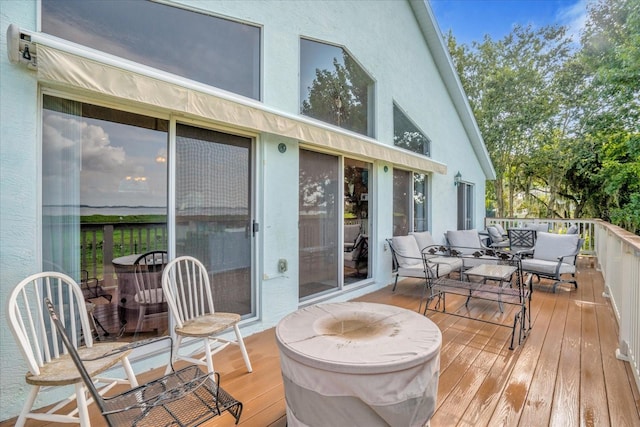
x,y
48,362
187,290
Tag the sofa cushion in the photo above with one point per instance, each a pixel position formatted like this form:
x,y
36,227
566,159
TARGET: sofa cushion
x,y
423,238
454,263
546,267
417,270
550,246
407,251
466,241
538,226
496,236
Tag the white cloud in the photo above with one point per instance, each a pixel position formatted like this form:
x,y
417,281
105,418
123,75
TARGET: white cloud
x,y
574,17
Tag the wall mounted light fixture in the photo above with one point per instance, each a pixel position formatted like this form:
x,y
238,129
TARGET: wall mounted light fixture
x,y
457,179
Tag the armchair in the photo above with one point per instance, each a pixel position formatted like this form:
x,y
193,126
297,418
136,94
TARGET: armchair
x,y
408,261
554,257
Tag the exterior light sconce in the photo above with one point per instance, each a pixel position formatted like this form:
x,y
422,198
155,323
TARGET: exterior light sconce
x,y
457,179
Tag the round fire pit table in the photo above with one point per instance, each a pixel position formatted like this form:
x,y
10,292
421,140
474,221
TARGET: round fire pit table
x,y
357,363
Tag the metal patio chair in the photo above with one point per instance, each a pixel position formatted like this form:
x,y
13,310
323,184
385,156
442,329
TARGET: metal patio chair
x,y
187,397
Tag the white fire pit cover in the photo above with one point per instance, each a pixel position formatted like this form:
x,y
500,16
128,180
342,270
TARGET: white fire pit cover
x,y
357,363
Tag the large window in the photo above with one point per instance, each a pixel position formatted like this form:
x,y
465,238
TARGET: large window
x,y
334,88
465,206
201,47
105,192
104,203
410,197
407,135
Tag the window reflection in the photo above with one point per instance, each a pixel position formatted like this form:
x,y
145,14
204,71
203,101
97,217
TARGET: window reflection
x,y
104,204
201,47
407,135
334,88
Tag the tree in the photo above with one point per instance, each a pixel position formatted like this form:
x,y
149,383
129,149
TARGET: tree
x,y
511,89
611,58
340,96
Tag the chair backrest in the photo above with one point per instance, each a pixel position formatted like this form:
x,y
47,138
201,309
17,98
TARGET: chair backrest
x,y
495,235
538,226
423,238
550,246
573,229
351,233
187,289
147,269
522,237
500,228
31,325
58,329
465,241
406,251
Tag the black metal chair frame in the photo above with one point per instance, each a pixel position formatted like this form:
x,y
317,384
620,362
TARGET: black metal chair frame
x,y
186,397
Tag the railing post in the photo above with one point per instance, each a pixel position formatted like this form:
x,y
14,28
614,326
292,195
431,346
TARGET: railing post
x,y
107,256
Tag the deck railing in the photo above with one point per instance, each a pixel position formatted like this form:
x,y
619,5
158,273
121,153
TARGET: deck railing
x,y
101,243
618,254
618,258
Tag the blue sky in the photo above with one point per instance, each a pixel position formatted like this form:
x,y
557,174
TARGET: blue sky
x,y
470,20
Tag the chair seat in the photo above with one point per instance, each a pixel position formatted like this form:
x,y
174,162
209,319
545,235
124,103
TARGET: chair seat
x,y
417,270
546,267
62,371
208,324
453,262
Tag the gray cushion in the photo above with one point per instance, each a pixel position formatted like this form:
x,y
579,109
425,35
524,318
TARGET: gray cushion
x,y
550,246
546,267
573,229
423,238
541,227
466,241
500,229
407,252
495,235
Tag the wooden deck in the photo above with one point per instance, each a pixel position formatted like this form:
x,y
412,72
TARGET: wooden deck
x,y
564,374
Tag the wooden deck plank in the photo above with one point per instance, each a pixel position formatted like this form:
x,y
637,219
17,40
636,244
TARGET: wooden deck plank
x,y
537,409
553,378
565,408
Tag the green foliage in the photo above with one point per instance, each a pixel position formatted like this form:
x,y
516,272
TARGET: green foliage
x,y
562,126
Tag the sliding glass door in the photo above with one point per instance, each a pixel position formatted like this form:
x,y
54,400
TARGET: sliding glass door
x,y
319,216
214,211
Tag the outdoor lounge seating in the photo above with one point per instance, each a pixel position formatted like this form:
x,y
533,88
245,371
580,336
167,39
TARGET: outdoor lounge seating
x,y
187,397
554,257
466,243
408,261
498,240
48,364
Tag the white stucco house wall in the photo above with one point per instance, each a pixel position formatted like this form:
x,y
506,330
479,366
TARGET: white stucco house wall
x,y
298,168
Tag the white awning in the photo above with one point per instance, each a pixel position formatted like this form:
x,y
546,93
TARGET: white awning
x,y
63,63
